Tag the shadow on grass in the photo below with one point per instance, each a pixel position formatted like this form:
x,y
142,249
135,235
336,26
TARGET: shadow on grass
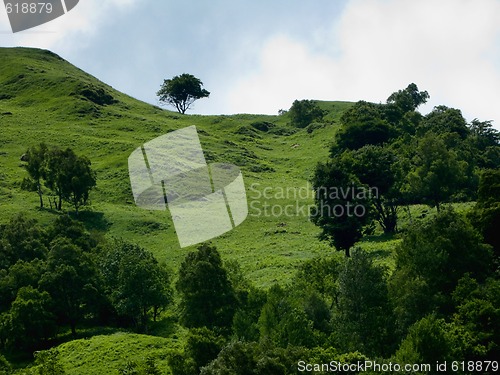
x,y
94,220
380,238
164,327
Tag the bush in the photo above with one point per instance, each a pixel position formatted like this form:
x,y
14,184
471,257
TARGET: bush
x,y
303,112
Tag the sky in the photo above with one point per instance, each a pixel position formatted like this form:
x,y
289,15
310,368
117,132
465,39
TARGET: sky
x,y
258,56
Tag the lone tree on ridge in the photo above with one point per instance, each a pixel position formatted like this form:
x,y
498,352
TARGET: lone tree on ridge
x,y
182,91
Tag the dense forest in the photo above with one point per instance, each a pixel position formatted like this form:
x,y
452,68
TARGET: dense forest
x,y
436,303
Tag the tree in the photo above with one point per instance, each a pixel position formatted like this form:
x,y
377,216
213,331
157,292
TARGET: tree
x,y
31,318
444,120
362,124
477,317
407,100
303,112
182,91
283,322
135,282
207,296
437,172
36,169
19,275
486,142
69,176
486,213
377,167
21,239
80,181
340,211
72,281
363,316
428,341
432,257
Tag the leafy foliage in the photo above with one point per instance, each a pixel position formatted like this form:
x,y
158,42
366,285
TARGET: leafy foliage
x,y
363,316
304,112
182,91
432,258
437,172
136,283
207,296
340,211
67,175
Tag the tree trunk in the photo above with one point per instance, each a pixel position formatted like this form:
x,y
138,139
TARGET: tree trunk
x,y
40,194
347,253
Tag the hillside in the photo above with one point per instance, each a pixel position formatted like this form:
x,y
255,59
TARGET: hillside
x,y
43,98
419,291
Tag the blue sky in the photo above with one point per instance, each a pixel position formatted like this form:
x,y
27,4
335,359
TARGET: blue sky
x,y
257,56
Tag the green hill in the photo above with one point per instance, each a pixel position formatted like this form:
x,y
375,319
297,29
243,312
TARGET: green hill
x,y
43,98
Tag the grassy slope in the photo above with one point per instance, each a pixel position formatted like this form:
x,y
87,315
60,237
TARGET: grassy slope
x,y
42,99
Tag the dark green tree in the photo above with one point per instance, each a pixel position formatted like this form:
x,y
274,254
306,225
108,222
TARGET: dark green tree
x,y
66,227
207,296
436,173
378,168
485,140
69,176
32,321
340,210
444,120
22,238
137,284
433,256
202,346
251,358
182,91
35,166
21,274
362,124
428,341
304,112
72,281
486,213
249,301
477,317
363,316
406,100
81,180
284,320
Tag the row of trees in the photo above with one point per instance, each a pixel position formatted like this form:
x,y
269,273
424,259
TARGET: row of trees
x,y
62,276
401,158
69,177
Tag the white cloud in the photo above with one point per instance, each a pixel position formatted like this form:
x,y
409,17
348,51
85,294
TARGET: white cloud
x,y
449,48
79,24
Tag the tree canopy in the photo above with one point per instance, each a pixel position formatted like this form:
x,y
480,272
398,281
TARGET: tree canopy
x,y
182,91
